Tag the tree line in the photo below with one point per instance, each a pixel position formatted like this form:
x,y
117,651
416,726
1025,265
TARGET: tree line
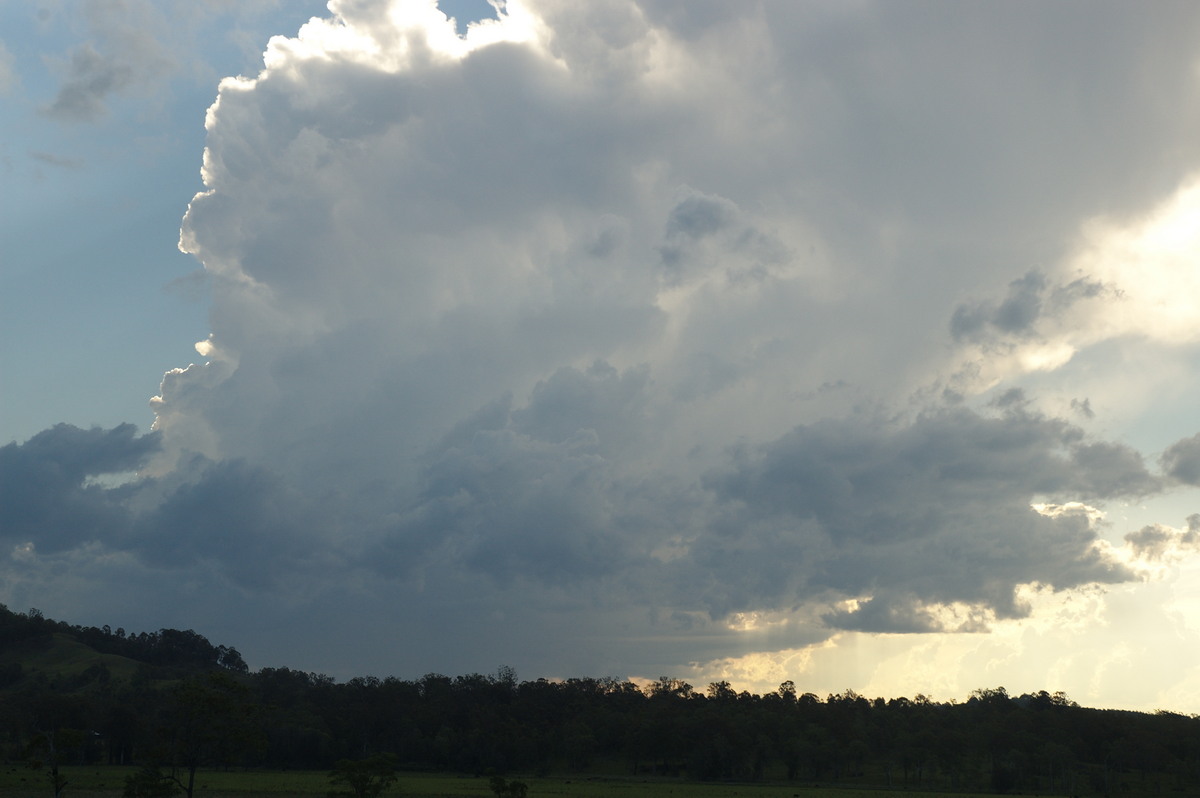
x,y
188,704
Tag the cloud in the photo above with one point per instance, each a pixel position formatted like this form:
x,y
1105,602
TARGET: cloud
x,y
1126,279
618,333
933,513
57,160
1029,299
1182,460
128,47
45,490
233,516
904,615
132,47
1158,540
8,78
90,78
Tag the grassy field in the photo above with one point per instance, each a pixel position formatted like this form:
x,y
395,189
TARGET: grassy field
x,y
108,782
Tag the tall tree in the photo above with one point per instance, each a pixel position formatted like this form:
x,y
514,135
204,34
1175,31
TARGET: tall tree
x,y
211,719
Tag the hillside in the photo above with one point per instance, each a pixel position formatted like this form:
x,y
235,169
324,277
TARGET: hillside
x,y
62,660
35,644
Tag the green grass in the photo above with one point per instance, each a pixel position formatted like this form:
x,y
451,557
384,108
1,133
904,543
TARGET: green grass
x,y
64,657
108,782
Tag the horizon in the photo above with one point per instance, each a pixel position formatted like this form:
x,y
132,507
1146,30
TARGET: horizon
x,y
504,673
851,345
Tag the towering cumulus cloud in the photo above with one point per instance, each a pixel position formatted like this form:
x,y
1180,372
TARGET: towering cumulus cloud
x,y
628,336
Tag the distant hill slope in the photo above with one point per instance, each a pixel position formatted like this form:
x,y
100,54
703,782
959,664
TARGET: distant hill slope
x,y
73,658
62,659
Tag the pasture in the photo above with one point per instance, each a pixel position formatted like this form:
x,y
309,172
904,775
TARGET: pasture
x,y
108,782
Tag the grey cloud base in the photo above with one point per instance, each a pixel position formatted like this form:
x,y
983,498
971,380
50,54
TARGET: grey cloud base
x,y
524,519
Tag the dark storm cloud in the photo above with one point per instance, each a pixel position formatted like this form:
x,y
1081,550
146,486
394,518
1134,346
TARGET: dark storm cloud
x,y
1181,460
237,516
936,511
45,495
519,507
531,492
1113,470
841,472
914,516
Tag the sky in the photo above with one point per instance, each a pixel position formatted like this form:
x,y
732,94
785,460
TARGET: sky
x,y
851,343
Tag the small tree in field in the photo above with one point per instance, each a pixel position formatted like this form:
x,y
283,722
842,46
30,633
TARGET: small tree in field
x,y
363,778
46,750
508,789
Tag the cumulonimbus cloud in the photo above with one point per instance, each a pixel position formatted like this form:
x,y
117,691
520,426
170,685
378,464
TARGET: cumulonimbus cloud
x,y
640,309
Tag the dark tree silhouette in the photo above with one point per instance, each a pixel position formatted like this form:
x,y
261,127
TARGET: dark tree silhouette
x,y
210,720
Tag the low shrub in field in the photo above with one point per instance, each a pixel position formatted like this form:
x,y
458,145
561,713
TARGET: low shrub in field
x,y
508,789
363,778
149,782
